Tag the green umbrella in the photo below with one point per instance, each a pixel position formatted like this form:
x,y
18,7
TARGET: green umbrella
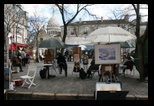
x,y
51,43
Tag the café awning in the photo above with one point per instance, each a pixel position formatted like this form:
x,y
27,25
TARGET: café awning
x,y
13,45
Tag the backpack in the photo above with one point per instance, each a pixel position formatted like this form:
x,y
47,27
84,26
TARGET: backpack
x,y
82,74
43,73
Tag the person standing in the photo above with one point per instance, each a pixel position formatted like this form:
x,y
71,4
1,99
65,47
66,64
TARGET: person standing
x,y
70,55
27,58
23,56
16,61
66,54
85,61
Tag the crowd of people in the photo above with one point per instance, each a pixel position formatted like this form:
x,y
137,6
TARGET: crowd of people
x,y
20,59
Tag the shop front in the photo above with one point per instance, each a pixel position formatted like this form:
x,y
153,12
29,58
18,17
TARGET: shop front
x,y
15,46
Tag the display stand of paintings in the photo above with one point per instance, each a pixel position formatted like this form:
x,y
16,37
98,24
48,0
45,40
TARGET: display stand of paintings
x,y
107,55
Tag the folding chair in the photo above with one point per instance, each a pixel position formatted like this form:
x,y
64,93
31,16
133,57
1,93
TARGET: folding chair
x,y
29,78
93,73
94,70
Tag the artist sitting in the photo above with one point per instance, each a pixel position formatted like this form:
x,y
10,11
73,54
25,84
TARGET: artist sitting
x,y
93,66
61,61
129,64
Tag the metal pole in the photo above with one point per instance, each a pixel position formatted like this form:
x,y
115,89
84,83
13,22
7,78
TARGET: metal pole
x,y
11,46
16,40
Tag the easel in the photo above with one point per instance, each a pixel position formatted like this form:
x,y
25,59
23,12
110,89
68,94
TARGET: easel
x,y
49,54
76,63
107,69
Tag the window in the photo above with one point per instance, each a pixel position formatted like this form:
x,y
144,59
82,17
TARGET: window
x,y
41,39
72,31
85,30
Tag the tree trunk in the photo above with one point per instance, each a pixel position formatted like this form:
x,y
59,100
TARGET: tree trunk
x,y
141,60
37,52
64,36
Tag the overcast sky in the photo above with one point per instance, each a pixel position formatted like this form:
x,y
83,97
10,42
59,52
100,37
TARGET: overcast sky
x,y
101,10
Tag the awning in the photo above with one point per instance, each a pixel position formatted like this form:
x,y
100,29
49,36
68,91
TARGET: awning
x,y
13,45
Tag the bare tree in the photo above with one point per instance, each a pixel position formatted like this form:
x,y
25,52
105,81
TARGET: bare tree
x,y
122,17
119,14
36,24
13,16
68,17
8,18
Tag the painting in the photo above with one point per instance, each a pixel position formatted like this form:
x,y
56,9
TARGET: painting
x,y
107,54
6,77
76,58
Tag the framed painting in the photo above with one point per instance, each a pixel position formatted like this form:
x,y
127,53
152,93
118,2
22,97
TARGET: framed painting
x,y
107,54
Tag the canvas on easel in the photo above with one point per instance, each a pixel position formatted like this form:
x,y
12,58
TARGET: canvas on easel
x,y
76,58
107,54
49,56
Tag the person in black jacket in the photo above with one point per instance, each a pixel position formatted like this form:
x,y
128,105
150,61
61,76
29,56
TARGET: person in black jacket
x,y
129,64
61,61
93,66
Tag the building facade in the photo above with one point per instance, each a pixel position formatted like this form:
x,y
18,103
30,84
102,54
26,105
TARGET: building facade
x,y
15,23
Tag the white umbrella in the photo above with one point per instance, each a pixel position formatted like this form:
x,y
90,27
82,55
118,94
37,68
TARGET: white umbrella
x,y
109,34
83,47
76,41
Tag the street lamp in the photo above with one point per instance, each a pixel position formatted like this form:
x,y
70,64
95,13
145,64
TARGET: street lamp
x,y
11,45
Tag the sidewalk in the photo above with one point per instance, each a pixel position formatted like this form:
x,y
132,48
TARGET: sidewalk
x,y
72,88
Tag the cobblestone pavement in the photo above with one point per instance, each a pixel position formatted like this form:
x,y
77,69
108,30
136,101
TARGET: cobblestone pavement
x,y
72,84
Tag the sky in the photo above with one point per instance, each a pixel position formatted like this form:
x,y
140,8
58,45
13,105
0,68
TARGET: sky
x,y
101,10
